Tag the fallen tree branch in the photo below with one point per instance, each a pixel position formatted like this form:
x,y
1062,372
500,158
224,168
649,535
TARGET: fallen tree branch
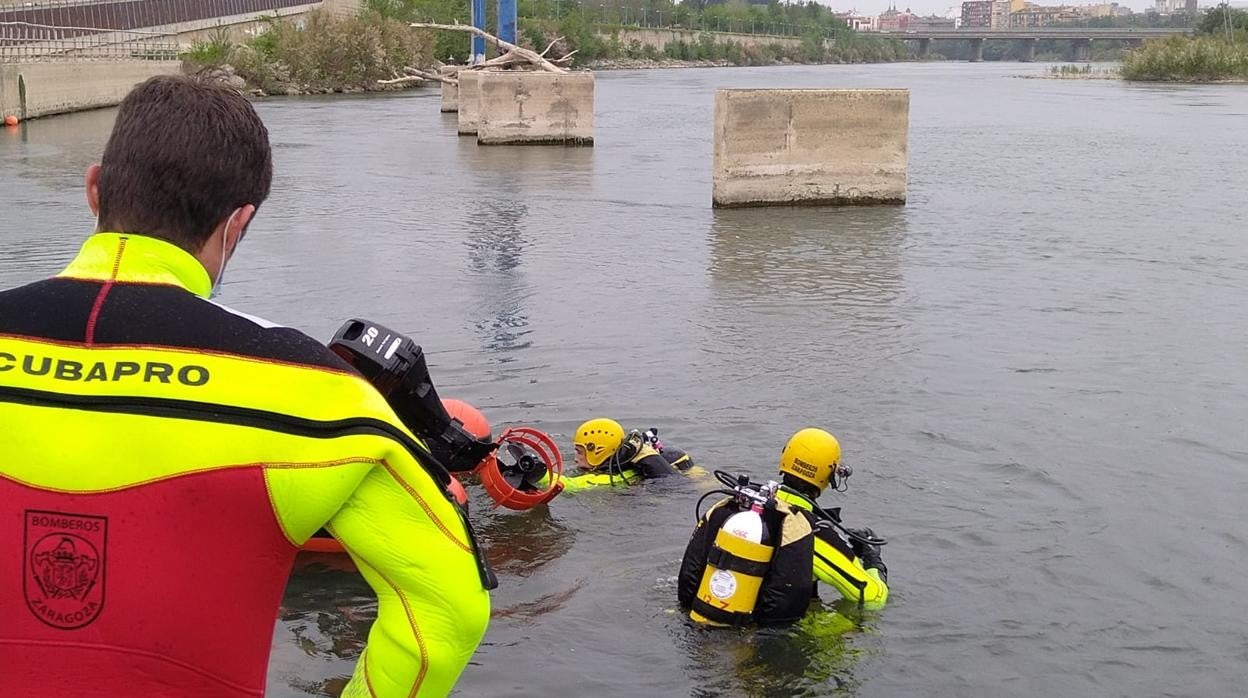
x,y
416,72
527,54
401,81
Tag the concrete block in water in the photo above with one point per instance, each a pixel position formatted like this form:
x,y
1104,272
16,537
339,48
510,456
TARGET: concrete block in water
x,y
521,107
810,147
450,93
469,101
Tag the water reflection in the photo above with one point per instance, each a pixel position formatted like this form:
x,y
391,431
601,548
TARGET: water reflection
x,y
849,255
814,657
519,543
495,245
322,627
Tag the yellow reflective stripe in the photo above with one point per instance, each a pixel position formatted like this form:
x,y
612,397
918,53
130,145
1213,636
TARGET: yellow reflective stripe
x,y
298,390
146,260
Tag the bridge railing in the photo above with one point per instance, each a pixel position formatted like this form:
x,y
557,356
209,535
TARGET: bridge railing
x,y
28,42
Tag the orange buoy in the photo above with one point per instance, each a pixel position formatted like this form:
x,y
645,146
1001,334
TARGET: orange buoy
x,y
474,422
10,120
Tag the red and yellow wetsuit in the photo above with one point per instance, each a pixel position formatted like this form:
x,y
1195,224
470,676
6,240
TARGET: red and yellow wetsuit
x,y
162,458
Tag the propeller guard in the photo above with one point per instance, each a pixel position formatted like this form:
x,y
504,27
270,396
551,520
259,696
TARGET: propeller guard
x,y
541,450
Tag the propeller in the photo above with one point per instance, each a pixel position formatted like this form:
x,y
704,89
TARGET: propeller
x,y
522,468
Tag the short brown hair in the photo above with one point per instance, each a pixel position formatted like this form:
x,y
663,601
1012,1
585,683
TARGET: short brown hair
x,y
184,153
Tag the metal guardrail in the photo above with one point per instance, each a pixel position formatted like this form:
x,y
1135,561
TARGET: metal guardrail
x,y
23,42
77,29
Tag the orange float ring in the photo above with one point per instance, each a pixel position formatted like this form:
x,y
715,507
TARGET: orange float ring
x,y
544,453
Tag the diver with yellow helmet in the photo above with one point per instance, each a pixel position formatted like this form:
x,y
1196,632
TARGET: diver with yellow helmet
x,y
847,559
753,554
606,455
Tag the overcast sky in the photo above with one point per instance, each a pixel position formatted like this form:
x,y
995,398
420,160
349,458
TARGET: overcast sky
x,y
943,7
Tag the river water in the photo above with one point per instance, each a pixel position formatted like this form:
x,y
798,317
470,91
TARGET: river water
x,y
1036,368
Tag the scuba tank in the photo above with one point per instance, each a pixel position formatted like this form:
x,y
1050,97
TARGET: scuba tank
x,y
749,559
737,562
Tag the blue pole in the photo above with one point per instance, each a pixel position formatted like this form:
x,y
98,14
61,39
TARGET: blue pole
x,y
478,21
507,20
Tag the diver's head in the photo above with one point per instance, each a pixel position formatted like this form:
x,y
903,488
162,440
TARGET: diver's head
x,y
812,457
596,441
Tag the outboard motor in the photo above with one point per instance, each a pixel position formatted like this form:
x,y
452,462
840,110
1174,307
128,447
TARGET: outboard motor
x,y
395,365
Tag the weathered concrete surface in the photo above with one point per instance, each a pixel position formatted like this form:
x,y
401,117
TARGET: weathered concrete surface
x,y
840,147
469,101
65,86
522,107
450,93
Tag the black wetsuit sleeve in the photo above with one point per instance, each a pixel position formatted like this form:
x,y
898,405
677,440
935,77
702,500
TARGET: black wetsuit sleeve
x,y
653,466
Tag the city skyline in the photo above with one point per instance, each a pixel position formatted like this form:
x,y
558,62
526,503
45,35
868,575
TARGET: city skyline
x,y
947,8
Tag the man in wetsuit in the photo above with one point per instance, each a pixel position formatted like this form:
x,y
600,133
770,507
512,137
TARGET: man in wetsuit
x,y
162,457
606,455
809,462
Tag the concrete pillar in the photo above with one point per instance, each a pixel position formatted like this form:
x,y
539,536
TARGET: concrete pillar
x,y
924,46
1029,50
450,93
977,50
1083,50
815,147
522,107
469,101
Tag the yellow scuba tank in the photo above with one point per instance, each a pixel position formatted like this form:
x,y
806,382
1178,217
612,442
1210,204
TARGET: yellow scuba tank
x,y
735,565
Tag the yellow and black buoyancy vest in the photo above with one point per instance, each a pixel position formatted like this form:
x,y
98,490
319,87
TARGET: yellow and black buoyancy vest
x,y
785,590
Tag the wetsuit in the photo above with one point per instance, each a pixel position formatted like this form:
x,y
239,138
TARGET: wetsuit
x,y
678,459
856,571
645,463
162,458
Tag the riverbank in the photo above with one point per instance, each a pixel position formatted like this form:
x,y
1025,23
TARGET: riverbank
x,y
1195,59
326,55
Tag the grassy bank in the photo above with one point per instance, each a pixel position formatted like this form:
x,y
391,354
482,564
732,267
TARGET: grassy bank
x,y
328,54
599,45
1188,59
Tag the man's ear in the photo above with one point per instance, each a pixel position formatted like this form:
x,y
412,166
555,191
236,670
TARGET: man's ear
x,y
92,182
238,224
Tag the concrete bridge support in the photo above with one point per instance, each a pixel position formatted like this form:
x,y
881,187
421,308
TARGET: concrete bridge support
x,y
1083,50
977,50
925,46
530,107
810,147
450,93
1029,50
469,102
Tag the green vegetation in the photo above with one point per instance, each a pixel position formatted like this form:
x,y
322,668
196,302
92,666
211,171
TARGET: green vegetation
x,y
1218,52
325,54
593,30
1071,70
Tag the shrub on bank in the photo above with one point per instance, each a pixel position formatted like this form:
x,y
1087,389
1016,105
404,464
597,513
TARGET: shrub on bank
x,y
325,53
1187,59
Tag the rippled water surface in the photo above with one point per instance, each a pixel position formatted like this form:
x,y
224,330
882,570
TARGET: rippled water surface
x,y
1037,369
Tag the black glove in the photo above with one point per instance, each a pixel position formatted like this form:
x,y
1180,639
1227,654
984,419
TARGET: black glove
x,y
868,553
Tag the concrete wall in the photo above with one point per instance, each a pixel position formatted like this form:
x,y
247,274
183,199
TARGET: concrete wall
x,y
66,86
660,38
469,101
810,147
536,107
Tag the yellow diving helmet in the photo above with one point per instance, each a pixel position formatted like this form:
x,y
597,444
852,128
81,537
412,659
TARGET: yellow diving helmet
x,y
600,438
811,455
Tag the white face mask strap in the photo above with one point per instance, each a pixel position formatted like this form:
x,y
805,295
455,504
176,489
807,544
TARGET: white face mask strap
x,y
225,236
